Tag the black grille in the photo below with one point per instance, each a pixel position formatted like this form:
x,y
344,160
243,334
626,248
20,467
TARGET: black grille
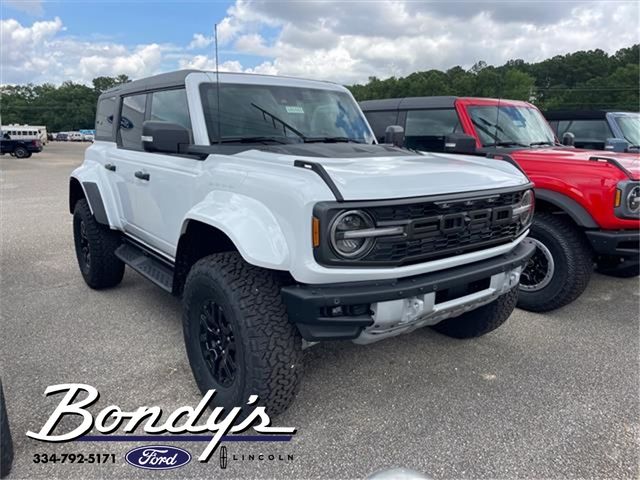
x,y
434,244
412,211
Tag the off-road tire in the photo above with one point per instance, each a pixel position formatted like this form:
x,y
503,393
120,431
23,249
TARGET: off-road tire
x,y
480,321
21,152
573,263
268,348
6,443
103,269
612,267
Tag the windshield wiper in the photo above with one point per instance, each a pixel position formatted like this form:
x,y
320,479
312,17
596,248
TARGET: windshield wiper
x,y
547,142
508,143
255,139
330,140
275,119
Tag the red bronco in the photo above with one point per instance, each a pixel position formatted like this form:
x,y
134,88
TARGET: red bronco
x,y
587,201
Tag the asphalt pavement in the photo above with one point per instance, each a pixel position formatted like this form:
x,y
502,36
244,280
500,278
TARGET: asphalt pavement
x,y
551,395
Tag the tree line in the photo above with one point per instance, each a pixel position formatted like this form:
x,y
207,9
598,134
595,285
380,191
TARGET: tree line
x,y
66,107
582,80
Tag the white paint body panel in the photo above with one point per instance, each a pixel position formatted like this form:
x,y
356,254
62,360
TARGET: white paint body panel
x,y
264,204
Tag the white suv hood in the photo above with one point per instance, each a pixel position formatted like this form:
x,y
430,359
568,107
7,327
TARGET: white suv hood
x,y
376,178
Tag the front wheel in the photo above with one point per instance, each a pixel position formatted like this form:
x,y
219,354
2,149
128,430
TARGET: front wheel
x,y
560,268
237,335
480,321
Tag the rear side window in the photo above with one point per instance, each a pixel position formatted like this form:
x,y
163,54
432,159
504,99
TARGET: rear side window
x,y
426,129
379,122
131,119
171,106
104,118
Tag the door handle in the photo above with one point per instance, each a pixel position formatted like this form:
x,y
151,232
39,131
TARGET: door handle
x,y
110,166
142,175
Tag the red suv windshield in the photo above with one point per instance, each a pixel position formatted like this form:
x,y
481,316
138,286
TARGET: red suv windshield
x,y
508,125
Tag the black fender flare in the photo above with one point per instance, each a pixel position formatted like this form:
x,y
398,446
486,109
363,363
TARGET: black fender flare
x,y
568,205
94,198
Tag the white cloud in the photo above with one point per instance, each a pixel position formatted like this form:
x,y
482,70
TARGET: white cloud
x,y
350,41
200,41
344,41
38,53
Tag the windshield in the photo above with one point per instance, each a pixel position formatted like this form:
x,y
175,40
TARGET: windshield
x,y
511,126
630,126
282,114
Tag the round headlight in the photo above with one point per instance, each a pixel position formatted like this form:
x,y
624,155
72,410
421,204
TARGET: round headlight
x,y
527,207
345,239
633,199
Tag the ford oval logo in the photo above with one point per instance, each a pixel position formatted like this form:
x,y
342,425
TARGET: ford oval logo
x,y
158,457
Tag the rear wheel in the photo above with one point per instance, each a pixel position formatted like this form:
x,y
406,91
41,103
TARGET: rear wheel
x,y
237,335
95,249
560,268
480,321
21,152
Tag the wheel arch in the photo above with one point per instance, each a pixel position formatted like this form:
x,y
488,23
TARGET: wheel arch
x,y
226,221
91,192
548,200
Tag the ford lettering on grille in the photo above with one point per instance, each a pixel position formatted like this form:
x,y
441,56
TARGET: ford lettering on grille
x,y
457,222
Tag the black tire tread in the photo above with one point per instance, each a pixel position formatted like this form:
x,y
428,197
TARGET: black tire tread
x,y
480,321
106,269
272,342
579,263
6,442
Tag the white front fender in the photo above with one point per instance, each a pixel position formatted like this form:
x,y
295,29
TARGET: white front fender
x,y
250,225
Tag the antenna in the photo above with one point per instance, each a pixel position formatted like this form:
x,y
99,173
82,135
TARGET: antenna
x,y
215,41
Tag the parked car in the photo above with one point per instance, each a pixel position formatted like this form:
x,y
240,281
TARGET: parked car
x,y
600,130
277,219
62,137
587,202
19,148
75,137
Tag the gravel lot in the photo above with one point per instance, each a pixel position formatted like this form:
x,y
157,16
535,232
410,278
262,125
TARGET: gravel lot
x,y
550,396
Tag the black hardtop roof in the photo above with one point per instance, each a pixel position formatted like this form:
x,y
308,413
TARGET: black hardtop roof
x,y
163,80
175,79
409,103
580,114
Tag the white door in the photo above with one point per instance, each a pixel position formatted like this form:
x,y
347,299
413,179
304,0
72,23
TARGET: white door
x,y
155,190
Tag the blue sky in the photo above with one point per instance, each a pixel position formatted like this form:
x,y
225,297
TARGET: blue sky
x,y
339,40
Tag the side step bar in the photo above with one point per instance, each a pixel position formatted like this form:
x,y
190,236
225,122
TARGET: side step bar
x,y
146,265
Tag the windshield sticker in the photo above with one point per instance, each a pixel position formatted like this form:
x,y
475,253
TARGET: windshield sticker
x,y
291,109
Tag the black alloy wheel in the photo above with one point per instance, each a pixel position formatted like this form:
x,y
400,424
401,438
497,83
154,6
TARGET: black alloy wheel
x,y
217,344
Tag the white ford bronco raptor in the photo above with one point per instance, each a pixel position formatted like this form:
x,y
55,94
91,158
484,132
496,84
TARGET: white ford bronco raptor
x,y
266,204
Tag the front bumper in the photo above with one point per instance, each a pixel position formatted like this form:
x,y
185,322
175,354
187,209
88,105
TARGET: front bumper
x,y
369,311
620,243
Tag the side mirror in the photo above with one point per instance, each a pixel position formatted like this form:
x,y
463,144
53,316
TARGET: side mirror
x,y
394,134
459,143
616,145
568,139
164,137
